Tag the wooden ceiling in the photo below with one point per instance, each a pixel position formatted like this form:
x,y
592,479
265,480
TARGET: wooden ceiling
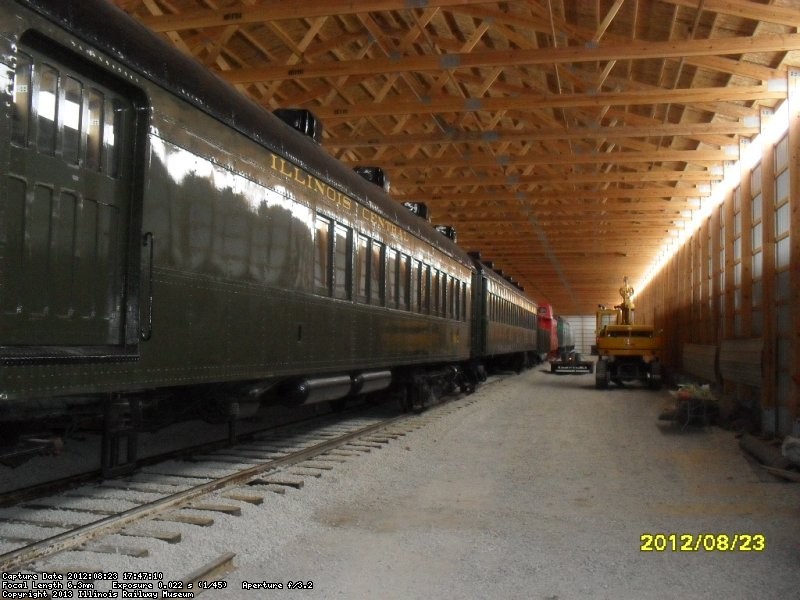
x,y
567,140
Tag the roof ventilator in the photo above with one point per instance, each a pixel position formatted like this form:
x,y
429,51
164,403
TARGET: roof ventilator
x,y
375,175
302,120
447,231
418,208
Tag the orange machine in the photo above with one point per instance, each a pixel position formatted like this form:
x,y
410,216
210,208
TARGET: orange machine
x,y
626,352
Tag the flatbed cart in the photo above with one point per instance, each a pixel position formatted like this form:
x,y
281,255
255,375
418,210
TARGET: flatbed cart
x,y
570,362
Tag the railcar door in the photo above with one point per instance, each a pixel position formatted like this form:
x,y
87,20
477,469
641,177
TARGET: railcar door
x,y
66,211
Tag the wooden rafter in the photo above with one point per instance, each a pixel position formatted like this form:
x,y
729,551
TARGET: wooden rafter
x,y
542,56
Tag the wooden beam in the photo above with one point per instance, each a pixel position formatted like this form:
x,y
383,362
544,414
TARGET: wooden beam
x,y
573,196
560,179
516,57
770,13
274,10
793,401
536,101
516,220
544,134
769,400
660,156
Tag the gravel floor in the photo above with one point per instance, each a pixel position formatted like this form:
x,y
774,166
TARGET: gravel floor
x,y
540,490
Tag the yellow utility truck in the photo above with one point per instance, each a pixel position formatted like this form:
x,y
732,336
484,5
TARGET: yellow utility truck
x,y
626,352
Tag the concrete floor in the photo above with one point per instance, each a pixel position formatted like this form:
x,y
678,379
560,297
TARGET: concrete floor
x,y
541,489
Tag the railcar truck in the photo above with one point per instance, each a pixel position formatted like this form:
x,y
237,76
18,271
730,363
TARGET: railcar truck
x,y
626,352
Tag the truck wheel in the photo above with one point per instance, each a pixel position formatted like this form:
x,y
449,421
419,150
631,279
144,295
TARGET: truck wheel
x,y
601,375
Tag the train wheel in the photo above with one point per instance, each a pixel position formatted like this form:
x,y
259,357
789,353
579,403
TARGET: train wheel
x,y
404,397
421,394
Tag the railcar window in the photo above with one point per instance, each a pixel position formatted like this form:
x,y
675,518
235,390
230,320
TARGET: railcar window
x,y
435,292
443,294
419,282
376,273
453,299
425,286
114,124
70,116
342,262
44,101
391,277
322,258
361,268
456,299
450,298
94,129
403,280
464,301
301,249
443,305
22,100
413,289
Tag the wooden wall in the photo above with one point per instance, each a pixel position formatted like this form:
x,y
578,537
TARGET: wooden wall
x,y
738,277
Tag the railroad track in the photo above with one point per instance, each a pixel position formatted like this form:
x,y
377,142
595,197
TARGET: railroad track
x,y
189,493
80,470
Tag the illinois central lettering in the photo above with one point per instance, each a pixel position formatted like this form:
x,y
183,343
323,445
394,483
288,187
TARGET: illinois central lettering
x,y
333,197
328,193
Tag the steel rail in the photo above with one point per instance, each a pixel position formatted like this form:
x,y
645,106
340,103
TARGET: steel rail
x,y
80,535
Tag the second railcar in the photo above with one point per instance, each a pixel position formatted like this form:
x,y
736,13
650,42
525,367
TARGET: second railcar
x,y
504,331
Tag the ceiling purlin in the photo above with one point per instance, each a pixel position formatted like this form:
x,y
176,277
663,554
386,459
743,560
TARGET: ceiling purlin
x,y
747,9
653,175
443,27
712,133
752,27
388,47
271,94
701,157
725,101
173,36
275,10
639,50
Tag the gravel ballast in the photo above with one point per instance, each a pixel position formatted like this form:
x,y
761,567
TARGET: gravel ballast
x,y
541,489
